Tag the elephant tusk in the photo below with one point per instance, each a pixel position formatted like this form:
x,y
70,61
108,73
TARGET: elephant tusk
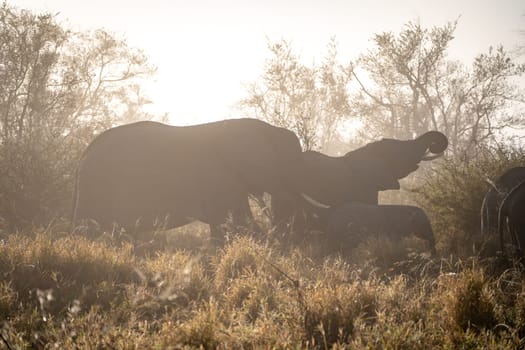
x,y
314,202
426,158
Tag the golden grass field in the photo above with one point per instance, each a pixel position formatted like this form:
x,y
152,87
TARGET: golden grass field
x,y
62,291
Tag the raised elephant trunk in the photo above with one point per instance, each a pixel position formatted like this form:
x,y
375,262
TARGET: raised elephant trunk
x,y
434,142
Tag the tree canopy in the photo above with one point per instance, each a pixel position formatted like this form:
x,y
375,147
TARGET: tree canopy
x,y
403,86
310,100
58,89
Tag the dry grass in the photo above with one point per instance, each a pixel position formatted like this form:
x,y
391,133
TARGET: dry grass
x,y
71,292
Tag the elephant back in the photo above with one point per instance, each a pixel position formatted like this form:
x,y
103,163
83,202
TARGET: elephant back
x,y
266,158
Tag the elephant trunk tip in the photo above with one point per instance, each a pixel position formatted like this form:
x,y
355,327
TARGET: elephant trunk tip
x,y
436,142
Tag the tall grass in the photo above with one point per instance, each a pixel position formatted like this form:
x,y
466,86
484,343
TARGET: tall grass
x,y
75,293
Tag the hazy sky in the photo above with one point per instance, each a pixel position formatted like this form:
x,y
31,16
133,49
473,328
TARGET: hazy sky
x,y
205,50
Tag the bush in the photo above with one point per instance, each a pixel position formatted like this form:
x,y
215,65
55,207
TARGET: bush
x,y
59,88
54,273
452,194
473,304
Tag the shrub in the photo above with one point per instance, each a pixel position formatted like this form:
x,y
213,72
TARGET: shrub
x,y
467,299
59,89
67,269
332,310
473,305
178,277
241,257
452,194
204,330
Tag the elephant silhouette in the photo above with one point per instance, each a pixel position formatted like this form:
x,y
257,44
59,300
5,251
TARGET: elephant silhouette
x,y
140,173
511,218
495,195
358,220
357,176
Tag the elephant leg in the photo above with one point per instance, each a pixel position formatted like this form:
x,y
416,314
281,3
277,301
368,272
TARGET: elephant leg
x,y
242,216
517,244
518,230
234,209
520,233
502,226
217,234
284,210
508,231
293,214
217,218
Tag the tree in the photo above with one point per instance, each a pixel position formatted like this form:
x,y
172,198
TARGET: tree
x,y
58,89
310,100
406,85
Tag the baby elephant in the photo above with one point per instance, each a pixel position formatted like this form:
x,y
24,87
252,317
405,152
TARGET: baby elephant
x,y
393,221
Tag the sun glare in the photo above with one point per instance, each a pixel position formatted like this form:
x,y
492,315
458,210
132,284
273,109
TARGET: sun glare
x,y
206,51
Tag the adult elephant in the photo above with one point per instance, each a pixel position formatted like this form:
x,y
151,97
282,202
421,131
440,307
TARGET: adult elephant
x,y
138,173
357,176
511,218
495,195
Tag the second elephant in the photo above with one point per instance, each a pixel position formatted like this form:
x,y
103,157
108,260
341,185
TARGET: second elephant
x,y
357,220
139,174
358,176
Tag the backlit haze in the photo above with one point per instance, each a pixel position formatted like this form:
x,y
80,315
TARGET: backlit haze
x,y
206,51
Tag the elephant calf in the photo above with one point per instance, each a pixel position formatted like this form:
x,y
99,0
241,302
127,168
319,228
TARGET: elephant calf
x,y
393,221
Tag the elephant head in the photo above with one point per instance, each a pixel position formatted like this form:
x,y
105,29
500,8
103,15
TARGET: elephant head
x,y
358,176
386,161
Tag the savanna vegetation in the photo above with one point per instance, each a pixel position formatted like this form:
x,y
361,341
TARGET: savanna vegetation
x,y
170,290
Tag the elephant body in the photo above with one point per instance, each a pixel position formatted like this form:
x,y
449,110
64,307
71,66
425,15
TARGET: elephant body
x,y
358,220
494,197
341,178
138,173
358,176
511,217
